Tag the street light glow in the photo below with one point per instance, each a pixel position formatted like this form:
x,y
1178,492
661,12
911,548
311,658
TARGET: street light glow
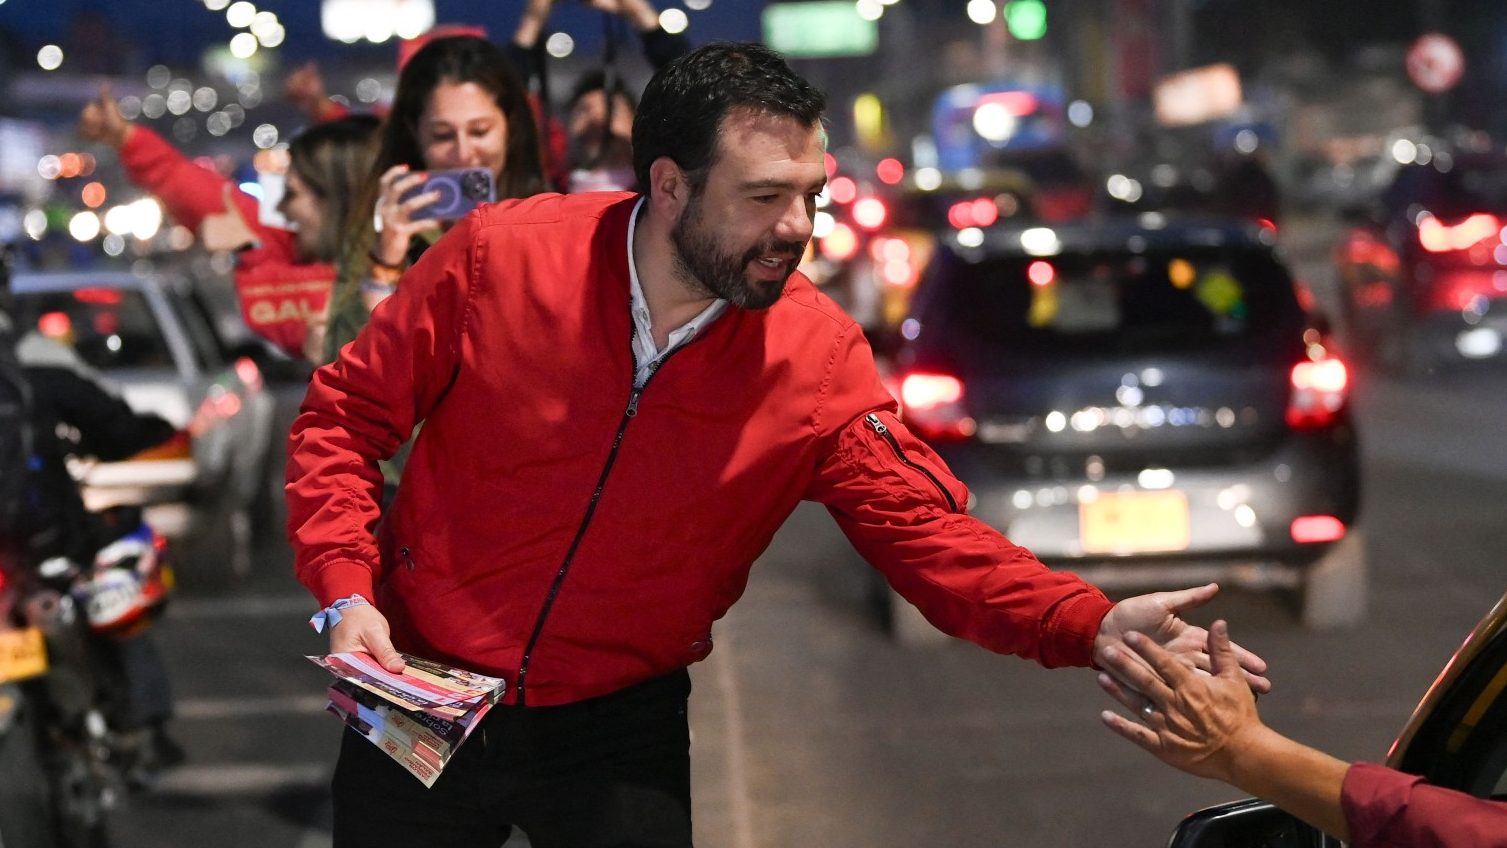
x,y
981,12
50,57
240,14
243,46
673,21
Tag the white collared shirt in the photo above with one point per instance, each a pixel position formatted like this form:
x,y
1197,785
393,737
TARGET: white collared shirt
x,y
644,351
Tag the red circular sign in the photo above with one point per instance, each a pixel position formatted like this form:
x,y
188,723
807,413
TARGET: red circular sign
x,y
1435,63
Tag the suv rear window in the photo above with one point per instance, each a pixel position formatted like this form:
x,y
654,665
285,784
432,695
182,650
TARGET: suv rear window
x,y
1117,302
107,327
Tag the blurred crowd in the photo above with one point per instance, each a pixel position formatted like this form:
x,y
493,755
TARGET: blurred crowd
x,y
354,198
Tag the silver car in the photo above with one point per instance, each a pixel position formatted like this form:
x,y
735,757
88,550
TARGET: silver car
x,y
156,338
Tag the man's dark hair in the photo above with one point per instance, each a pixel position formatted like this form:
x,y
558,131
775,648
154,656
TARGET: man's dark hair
x,y
680,115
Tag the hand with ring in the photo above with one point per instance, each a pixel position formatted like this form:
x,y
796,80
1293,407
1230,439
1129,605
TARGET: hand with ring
x,y
397,214
1193,720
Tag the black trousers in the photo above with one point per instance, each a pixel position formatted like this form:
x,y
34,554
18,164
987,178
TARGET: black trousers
x,y
610,772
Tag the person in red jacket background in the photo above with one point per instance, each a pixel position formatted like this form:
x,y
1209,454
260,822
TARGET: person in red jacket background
x,y
283,278
623,397
1207,725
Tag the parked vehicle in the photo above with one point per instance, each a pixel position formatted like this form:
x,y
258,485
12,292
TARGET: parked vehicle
x,y
1424,275
1456,738
1144,402
154,337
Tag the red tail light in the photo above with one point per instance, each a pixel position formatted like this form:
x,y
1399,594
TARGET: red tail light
x,y
1439,237
932,405
1312,529
248,373
1320,387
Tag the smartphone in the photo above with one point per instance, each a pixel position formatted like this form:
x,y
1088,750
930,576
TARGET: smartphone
x,y
460,191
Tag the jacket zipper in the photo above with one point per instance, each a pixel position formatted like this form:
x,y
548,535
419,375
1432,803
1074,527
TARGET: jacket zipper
x,y
596,495
884,433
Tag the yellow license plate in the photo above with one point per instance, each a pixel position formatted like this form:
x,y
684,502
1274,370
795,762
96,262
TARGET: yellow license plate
x,y
1134,522
23,654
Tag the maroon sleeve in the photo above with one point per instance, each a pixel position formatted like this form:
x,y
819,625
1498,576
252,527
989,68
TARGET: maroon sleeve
x,y
1385,808
905,512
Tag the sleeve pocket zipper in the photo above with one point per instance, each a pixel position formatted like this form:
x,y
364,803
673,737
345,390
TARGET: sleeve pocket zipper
x,y
879,427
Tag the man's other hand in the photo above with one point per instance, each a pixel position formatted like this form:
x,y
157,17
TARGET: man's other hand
x,y
363,628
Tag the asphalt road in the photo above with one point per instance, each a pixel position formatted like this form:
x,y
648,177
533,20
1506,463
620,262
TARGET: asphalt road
x,y
812,727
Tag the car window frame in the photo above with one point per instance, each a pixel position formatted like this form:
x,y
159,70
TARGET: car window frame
x,y
1457,736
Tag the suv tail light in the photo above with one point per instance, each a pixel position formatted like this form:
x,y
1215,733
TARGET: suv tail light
x,y
932,406
1312,529
1439,237
1320,387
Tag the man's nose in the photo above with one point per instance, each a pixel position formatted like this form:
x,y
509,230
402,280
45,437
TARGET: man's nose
x,y
795,224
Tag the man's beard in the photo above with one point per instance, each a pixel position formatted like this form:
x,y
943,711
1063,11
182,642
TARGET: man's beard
x,y
701,264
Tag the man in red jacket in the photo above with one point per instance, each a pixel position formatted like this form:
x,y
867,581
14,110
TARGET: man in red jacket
x,y
623,397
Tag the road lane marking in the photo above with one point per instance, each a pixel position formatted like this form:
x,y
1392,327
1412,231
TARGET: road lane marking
x,y
252,606
732,716
232,779
215,709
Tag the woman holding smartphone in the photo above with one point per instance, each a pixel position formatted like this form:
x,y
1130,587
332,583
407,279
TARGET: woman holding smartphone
x,y
458,105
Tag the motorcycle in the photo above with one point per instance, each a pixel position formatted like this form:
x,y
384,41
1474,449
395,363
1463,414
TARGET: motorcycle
x,y
66,689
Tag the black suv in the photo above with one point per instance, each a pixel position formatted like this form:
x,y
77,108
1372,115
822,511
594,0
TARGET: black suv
x,y
1143,401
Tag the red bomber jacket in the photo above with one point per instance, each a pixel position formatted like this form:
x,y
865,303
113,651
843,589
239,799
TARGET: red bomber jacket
x,y
278,294
574,535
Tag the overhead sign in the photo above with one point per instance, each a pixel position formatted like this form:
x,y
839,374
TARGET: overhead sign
x,y
1197,95
1435,63
819,30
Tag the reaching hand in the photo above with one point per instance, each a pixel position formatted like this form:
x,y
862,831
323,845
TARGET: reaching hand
x,y
639,12
304,88
363,628
1196,722
101,120
226,230
1156,616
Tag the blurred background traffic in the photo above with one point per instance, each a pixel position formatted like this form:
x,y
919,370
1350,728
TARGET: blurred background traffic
x,y
1183,289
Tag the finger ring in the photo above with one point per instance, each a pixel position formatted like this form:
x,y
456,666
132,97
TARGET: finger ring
x,y
1148,710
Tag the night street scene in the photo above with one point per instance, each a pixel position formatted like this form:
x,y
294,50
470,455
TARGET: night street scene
x,y
966,343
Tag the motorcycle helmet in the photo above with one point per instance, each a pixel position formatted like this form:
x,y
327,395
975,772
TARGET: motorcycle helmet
x,y
128,584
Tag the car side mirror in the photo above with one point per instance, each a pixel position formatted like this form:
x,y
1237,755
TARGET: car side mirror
x,y
1248,824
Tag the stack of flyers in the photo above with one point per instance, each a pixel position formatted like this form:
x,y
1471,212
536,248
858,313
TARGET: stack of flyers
x,y
419,717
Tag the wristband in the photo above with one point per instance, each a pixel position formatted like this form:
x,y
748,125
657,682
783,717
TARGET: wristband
x,y
330,615
377,262
376,287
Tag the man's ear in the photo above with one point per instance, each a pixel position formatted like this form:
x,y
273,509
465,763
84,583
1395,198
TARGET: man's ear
x,y
669,189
